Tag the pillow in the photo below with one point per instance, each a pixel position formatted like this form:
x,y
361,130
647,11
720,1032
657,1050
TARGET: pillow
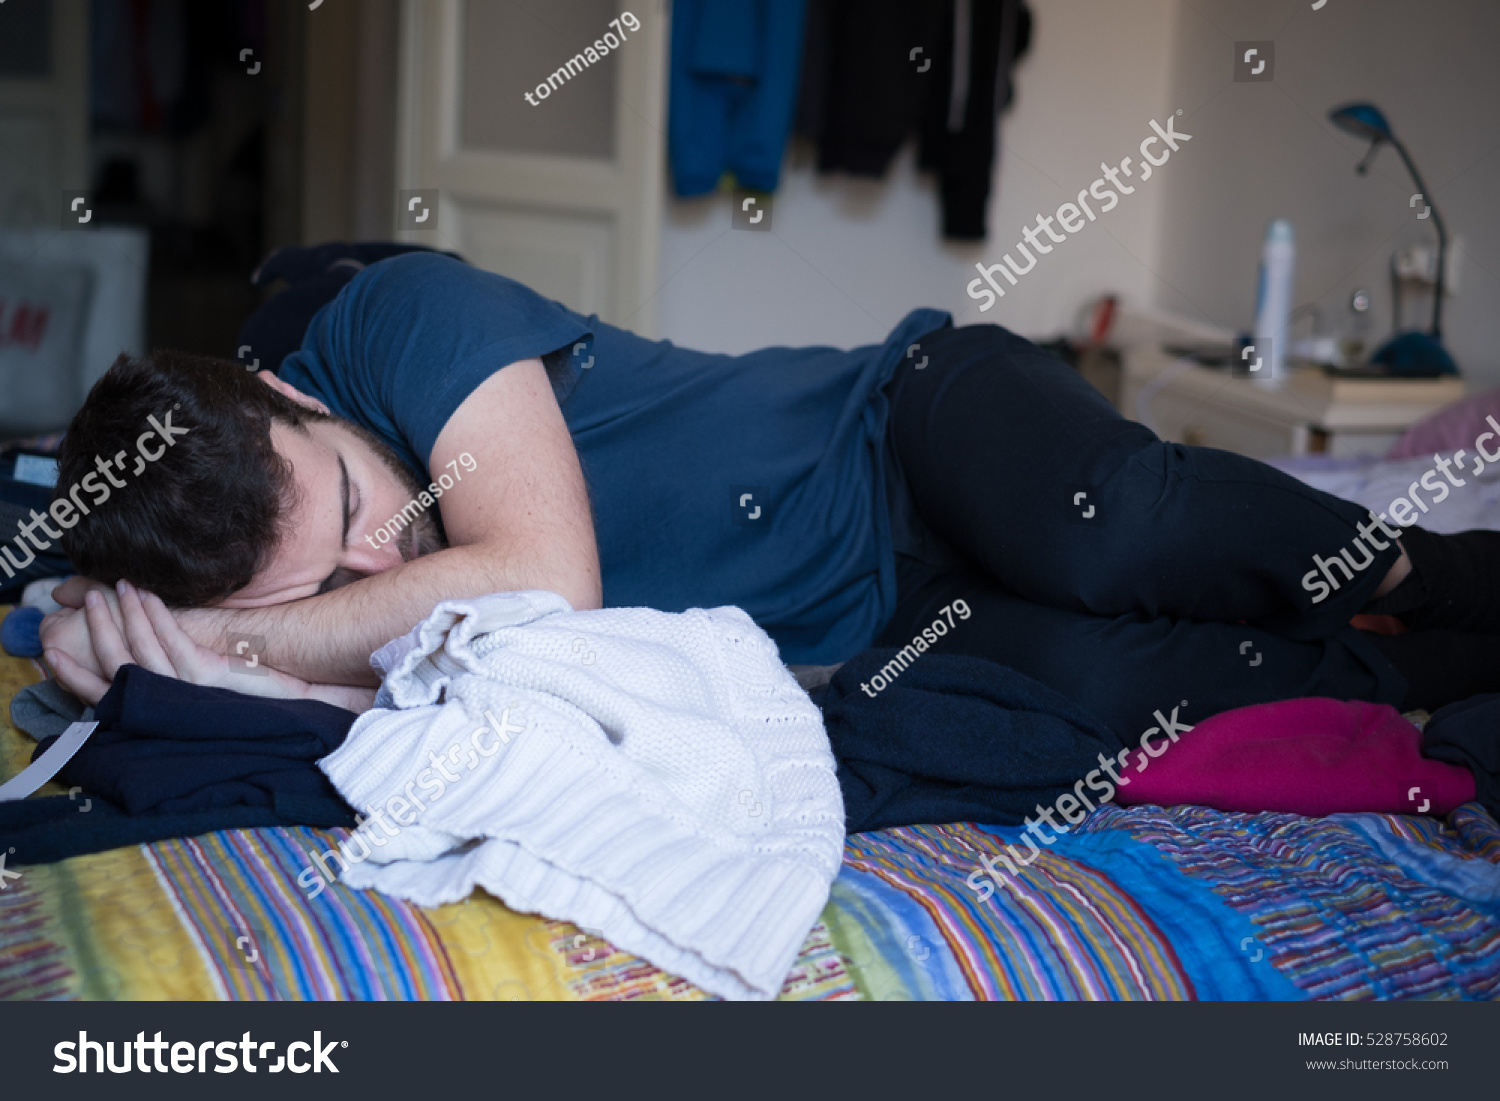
x,y
1449,428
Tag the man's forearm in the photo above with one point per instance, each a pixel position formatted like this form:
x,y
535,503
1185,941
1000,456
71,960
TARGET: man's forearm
x,y
358,700
328,639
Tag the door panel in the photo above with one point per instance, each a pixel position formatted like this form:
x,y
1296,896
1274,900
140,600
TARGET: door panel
x,y
508,49
566,257
564,193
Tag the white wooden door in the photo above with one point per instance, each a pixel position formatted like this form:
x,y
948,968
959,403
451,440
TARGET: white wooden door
x,y
43,109
561,191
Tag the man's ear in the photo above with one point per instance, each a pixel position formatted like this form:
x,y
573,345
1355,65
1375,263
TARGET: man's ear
x,y
287,390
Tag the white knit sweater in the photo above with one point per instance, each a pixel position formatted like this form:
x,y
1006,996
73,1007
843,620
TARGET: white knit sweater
x,y
657,777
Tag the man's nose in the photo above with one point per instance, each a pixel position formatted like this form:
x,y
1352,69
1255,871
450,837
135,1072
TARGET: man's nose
x,y
365,559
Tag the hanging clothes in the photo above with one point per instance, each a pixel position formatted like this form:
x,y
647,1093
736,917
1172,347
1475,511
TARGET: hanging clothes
x,y
733,87
876,70
152,63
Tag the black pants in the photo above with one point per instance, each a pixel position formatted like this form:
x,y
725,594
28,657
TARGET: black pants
x,y
1130,574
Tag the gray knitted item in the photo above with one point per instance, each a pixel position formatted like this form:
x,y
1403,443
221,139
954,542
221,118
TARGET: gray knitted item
x,y
46,708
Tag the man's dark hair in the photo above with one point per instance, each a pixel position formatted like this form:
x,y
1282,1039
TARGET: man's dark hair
x,y
196,524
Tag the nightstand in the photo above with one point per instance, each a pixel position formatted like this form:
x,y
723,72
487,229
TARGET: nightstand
x,y
1312,413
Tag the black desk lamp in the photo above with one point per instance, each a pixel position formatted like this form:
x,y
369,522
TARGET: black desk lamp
x,y
1414,353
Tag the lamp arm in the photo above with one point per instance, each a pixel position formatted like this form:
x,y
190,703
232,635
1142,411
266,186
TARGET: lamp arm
x,y
1442,231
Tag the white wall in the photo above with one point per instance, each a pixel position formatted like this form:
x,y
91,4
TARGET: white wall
x,y
1267,150
847,258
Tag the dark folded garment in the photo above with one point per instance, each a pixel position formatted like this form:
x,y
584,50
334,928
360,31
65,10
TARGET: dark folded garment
x,y
44,831
1468,733
315,274
172,759
954,739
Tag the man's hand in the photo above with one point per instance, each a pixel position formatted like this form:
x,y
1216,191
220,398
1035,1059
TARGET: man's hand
x,y
71,592
66,631
139,629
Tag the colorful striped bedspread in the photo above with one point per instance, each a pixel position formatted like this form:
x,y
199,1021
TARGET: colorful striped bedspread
x,y
1182,902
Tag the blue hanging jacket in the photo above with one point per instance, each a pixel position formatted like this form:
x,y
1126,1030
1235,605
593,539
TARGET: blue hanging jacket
x,y
734,87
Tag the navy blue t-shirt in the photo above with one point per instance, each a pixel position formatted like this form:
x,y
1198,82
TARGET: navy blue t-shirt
x,y
752,480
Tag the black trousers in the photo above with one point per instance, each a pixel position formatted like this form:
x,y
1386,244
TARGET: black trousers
x,y
1130,574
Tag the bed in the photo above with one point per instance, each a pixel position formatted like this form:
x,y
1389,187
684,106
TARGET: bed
x,y
1146,903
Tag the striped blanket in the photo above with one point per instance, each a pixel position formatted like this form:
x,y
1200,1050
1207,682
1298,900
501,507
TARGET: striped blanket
x,y
1176,903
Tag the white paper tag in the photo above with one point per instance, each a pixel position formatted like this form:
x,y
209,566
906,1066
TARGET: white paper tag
x,y
49,764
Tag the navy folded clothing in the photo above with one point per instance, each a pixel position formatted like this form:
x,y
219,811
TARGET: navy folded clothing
x,y
954,739
172,759
44,831
315,274
1467,733
166,745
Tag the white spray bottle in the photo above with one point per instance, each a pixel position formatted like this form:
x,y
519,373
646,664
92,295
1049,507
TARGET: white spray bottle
x,y
1273,304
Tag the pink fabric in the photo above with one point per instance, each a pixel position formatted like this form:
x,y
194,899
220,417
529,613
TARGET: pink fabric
x,y
1449,428
1307,756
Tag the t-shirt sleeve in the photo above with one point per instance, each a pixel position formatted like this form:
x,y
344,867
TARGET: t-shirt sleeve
x,y
410,338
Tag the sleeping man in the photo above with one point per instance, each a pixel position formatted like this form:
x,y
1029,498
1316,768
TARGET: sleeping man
x,y
444,432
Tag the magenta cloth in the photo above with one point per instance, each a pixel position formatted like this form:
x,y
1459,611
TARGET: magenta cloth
x,y
1307,756
1449,428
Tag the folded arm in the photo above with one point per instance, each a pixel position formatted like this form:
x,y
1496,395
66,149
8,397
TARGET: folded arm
x,y
519,520
138,629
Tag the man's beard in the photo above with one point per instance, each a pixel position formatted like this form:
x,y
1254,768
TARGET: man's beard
x,y
423,536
